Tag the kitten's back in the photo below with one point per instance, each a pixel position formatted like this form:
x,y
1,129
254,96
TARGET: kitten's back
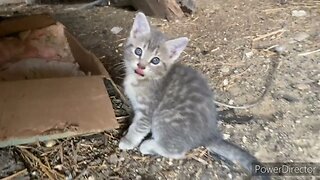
x,y
186,113
186,118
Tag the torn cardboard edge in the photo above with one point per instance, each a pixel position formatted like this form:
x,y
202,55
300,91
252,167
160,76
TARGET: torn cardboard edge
x,y
42,109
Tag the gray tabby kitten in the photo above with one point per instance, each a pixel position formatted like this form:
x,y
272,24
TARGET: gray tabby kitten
x,y
170,100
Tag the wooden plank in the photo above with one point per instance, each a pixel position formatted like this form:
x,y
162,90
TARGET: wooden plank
x,y
2,2
168,9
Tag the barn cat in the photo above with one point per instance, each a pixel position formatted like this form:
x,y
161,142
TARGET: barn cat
x,y
170,100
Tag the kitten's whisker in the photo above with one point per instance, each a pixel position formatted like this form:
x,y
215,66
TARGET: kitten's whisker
x,y
121,78
118,64
121,62
122,75
119,67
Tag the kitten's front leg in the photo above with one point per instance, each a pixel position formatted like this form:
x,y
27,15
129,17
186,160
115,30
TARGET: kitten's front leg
x,y
139,129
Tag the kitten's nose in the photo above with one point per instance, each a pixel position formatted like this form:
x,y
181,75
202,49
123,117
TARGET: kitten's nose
x,y
140,66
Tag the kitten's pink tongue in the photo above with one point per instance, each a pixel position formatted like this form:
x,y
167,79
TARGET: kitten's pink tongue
x,y
139,71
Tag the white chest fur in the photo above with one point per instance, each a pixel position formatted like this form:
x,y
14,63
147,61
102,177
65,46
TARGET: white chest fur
x,y
130,89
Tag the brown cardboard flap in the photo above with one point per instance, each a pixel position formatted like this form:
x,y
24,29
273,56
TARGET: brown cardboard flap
x,y
44,109
64,105
87,61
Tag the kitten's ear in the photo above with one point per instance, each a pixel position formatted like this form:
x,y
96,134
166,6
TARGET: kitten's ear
x,y
140,26
176,46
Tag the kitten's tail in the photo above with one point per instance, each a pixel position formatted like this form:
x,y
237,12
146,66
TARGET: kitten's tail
x,y
236,155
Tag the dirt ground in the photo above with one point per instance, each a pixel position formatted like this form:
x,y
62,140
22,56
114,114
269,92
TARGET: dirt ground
x,y
229,44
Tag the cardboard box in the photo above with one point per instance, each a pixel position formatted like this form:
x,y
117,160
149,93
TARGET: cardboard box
x,y
44,109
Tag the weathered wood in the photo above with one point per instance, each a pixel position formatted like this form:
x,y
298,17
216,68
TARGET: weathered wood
x,y
2,2
187,5
168,9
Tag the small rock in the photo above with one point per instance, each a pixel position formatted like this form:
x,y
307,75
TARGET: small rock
x,y
289,98
244,139
231,102
207,174
198,50
302,86
69,177
58,167
282,2
298,13
225,82
50,143
91,178
113,158
280,49
301,36
225,69
262,152
123,155
116,30
34,173
249,54
153,169
228,126
226,136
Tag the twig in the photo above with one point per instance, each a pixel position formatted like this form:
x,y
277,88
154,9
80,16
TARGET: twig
x,y
122,97
24,171
120,40
308,53
83,172
200,160
44,168
74,152
204,152
47,163
111,136
61,153
122,117
272,10
241,73
268,84
195,19
213,50
268,34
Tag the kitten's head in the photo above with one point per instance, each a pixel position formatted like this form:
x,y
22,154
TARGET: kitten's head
x,y
148,54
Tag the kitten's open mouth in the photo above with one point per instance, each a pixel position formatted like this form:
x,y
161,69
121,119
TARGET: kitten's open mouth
x,y
139,72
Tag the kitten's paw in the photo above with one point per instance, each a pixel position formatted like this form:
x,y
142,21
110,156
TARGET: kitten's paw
x,y
146,149
126,144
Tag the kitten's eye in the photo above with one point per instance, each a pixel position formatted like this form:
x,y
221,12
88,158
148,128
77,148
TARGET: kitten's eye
x,y
155,60
138,51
